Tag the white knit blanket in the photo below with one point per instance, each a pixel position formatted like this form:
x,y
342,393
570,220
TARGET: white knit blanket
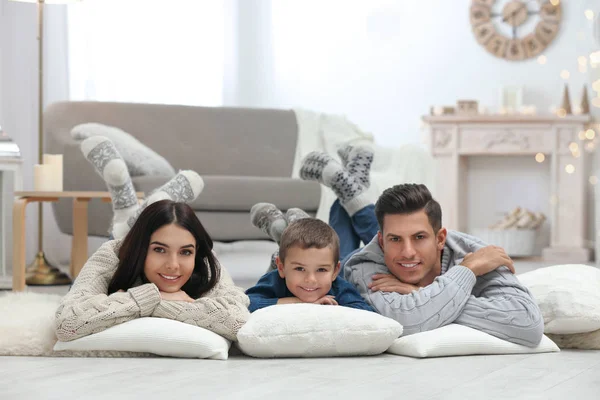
x,y
391,166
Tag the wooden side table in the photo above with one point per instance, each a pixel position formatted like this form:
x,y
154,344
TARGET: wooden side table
x,y
79,245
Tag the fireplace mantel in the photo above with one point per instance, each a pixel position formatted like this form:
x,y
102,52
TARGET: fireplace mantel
x,y
454,138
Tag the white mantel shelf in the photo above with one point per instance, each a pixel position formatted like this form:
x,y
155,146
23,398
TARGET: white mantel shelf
x,y
453,138
511,119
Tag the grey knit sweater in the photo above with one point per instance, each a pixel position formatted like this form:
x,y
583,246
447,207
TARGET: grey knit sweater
x,y
87,308
495,303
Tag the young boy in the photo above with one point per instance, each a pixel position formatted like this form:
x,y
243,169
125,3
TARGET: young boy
x,y
307,270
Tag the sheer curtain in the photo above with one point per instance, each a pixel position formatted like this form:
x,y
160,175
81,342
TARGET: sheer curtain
x,y
169,52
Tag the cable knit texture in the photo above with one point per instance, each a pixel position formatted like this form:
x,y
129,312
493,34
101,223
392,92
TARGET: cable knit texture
x,y
87,308
495,303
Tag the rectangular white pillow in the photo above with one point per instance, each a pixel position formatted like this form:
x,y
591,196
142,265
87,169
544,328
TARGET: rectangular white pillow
x,y
312,330
160,336
460,340
568,296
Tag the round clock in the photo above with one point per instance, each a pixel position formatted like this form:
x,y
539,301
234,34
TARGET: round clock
x,y
508,29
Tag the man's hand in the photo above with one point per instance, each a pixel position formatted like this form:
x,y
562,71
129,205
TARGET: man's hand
x,y
176,296
327,300
488,259
389,283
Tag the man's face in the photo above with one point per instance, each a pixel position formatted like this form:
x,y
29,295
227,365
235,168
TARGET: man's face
x,y
411,248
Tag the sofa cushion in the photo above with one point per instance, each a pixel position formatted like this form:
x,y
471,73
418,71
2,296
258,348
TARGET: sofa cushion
x,y
209,140
240,193
139,158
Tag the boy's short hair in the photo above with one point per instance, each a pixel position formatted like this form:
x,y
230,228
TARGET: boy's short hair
x,y
309,233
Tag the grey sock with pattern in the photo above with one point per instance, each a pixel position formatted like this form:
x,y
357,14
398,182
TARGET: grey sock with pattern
x,y
273,264
344,152
318,166
269,219
182,188
357,160
109,164
294,214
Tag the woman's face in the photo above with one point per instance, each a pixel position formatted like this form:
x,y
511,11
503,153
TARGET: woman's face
x,y
171,258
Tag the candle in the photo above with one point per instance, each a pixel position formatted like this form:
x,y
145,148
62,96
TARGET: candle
x,y
55,162
42,178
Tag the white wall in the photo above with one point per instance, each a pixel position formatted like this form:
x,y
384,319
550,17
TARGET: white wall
x,y
18,104
384,63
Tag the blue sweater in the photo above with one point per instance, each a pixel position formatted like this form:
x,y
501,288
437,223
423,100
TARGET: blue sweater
x,y
271,287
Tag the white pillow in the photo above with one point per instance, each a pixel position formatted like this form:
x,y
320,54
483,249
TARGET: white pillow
x,y
312,330
139,158
160,336
460,340
568,295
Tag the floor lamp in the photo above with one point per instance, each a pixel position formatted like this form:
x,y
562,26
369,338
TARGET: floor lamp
x,y
40,272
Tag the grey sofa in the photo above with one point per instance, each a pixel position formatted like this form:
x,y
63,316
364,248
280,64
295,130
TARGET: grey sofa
x,y
244,155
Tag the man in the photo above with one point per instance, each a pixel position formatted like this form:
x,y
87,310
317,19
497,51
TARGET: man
x,y
424,276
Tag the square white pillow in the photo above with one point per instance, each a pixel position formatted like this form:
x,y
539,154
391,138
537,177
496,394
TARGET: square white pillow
x,y
139,158
460,340
160,336
312,330
568,295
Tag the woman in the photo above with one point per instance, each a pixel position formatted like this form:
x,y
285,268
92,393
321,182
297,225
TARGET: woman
x,y
164,267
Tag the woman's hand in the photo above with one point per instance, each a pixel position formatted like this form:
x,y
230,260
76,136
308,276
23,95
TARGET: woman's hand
x,y
176,296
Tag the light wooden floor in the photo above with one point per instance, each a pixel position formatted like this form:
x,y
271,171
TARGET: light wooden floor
x,y
570,374
566,375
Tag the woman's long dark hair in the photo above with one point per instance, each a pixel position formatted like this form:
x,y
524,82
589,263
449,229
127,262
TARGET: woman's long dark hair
x,y
132,255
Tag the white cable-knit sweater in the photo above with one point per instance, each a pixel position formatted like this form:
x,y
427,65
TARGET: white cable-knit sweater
x,y
87,308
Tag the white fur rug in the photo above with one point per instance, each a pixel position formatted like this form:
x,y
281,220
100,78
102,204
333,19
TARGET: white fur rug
x,y
27,328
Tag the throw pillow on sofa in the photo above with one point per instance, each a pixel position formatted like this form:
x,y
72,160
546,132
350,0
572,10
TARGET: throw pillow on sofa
x,y
460,340
312,330
139,158
568,295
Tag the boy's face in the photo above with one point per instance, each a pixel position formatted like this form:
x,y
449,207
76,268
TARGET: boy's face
x,y
308,273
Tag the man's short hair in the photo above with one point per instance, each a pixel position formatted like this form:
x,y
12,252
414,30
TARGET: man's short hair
x,y
407,199
309,233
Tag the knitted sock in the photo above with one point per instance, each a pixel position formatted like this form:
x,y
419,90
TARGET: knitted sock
x,y
109,164
273,264
182,188
269,219
357,160
344,153
294,214
321,167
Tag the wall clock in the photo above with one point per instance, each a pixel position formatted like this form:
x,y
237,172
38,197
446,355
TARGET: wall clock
x,y
515,30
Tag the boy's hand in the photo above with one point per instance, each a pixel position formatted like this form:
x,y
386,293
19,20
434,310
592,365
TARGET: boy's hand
x,y
176,296
327,300
389,283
